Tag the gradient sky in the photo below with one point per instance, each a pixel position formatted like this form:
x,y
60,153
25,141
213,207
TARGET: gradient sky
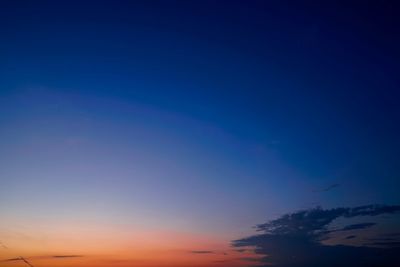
x,y
153,133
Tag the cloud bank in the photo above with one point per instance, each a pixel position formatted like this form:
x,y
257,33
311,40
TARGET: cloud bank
x,y
300,239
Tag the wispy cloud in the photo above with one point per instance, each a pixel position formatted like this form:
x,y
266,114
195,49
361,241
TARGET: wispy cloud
x,y
357,226
202,251
18,259
3,246
352,227
12,259
384,244
67,256
45,257
25,259
332,186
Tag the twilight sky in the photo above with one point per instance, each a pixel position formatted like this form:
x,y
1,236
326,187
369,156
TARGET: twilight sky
x,y
158,133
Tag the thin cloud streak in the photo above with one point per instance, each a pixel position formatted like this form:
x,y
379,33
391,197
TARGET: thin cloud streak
x,y
3,246
202,252
329,188
26,261
67,256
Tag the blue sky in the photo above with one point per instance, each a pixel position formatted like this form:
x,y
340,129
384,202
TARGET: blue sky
x,y
206,116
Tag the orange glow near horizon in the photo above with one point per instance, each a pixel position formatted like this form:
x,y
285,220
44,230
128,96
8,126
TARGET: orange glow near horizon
x,y
95,246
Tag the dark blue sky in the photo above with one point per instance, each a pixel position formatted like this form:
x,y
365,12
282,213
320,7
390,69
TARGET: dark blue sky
x,y
262,101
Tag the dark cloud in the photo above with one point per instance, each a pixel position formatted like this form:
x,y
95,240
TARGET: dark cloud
x,y
351,227
300,240
357,226
202,251
306,222
372,210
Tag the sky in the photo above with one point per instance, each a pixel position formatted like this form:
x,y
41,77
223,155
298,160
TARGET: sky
x,y
167,133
